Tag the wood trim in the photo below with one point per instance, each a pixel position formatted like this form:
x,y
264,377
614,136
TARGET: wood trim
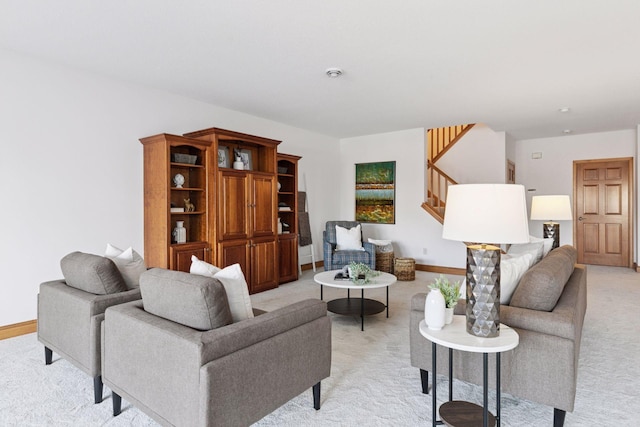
x,y
308,266
442,270
17,329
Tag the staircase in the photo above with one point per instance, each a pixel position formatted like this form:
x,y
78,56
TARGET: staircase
x,y
439,141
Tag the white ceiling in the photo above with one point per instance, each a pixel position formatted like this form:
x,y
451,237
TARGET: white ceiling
x,y
407,63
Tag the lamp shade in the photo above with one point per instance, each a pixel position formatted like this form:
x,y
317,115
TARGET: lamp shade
x,y
547,208
486,213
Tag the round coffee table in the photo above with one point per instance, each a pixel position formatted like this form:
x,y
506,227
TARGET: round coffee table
x,y
355,306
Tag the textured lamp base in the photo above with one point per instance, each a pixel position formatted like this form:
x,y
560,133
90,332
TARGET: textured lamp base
x,y
483,290
552,229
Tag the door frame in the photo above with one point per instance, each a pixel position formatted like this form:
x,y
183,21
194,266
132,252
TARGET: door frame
x,y
631,204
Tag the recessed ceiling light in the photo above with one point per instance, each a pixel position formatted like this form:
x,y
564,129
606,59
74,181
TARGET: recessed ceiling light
x,y
334,72
564,109
566,131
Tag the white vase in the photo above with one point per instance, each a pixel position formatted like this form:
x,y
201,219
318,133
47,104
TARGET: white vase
x,y
434,310
238,164
448,316
180,233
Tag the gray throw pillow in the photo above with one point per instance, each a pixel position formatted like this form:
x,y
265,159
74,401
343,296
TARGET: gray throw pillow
x,y
195,301
92,273
541,286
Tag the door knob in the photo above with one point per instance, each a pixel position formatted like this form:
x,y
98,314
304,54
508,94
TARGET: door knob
x,y
580,218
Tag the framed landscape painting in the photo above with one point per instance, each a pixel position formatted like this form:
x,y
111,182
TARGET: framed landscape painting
x,y
376,192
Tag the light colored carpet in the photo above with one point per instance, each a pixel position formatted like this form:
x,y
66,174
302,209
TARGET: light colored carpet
x,y
371,380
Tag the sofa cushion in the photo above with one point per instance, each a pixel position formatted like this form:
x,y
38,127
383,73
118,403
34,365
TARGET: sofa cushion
x,y
541,286
129,262
195,301
92,273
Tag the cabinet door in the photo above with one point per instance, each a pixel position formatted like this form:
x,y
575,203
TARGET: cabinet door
x,y
287,257
235,252
263,203
181,255
264,267
233,203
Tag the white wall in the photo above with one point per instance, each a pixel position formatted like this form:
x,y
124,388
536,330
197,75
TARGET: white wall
x,y
71,167
553,173
414,229
478,157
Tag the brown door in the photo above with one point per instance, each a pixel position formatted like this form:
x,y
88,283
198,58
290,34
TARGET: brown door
x,y
233,206
602,197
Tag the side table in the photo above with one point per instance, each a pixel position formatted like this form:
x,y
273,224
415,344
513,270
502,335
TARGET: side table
x,y
455,337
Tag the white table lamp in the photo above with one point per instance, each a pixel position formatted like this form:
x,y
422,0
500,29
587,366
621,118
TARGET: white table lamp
x,y
550,209
481,215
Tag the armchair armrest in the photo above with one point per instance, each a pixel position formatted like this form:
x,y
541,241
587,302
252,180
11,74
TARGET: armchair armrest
x,y
234,337
370,248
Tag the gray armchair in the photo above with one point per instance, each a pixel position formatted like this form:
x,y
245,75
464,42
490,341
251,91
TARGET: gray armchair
x,y
183,362
334,259
70,311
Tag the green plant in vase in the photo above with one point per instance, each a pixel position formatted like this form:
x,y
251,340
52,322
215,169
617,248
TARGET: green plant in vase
x,y
450,292
360,273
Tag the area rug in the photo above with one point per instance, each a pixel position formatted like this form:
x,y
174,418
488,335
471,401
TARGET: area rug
x,y
372,382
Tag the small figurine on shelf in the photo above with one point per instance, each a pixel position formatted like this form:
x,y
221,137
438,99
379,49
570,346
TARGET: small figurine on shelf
x,y
188,206
178,180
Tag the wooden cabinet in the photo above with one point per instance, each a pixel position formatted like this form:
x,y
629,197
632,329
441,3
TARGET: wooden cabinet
x,y
230,215
288,217
246,200
176,179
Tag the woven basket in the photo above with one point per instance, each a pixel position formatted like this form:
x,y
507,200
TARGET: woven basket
x,y
384,261
405,268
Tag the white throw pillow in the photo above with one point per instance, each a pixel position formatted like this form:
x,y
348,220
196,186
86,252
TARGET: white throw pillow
x,y
129,262
349,240
547,243
237,292
202,268
536,249
512,268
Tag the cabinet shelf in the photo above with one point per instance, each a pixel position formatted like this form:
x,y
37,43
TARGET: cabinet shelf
x,y
187,189
186,165
188,213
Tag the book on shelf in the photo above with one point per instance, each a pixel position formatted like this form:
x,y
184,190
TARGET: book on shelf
x,y
284,209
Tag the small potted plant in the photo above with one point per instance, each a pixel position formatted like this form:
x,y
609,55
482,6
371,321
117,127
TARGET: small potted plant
x,y
361,273
450,292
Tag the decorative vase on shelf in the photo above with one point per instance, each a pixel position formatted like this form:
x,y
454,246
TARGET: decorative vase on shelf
x,y
180,233
434,310
448,315
279,226
238,164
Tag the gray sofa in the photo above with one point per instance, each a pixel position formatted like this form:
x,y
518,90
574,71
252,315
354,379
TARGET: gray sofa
x,y
71,310
193,367
547,310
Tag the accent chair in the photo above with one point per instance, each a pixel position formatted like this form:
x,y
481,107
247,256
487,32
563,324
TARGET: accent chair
x,y
336,258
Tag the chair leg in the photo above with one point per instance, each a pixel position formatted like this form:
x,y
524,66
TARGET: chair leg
x,y
48,356
316,396
97,389
117,403
558,417
424,379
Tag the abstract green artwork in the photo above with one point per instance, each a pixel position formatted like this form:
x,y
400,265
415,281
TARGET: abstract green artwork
x,y
375,192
